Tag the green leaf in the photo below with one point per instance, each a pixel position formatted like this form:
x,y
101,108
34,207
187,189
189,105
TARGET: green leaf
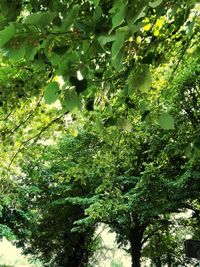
x,y
14,54
140,79
48,46
143,107
166,121
85,46
117,62
51,92
40,19
54,59
119,16
103,40
189,27
30,52
97,14
6,232
95,2
136,11
69,18
68,63
10,9
115,6
188,150
7,34
136,27
155,3
72,102
196,143
118,43
145,114
61,201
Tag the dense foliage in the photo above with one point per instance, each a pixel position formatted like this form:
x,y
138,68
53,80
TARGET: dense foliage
x,y
99,117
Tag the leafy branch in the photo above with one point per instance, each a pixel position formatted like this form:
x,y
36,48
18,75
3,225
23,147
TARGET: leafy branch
x,y
166,223
35,137
31,114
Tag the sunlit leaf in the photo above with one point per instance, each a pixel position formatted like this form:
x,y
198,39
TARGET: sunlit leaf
x,y
138,40
156,32
147,27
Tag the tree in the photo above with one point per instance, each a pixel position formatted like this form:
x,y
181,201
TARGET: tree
x,y
118,63
119,169
166,246
44,221
139,163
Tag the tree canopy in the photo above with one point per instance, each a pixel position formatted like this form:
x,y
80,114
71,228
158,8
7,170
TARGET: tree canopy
x,y
99,117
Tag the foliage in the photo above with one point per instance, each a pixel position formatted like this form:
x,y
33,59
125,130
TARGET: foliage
x,y
47,215
120,173
84,45
68,38
122,78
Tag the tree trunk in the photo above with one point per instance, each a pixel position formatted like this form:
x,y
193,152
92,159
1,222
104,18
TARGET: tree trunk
x,y
157,262
75,254
135,239
169,260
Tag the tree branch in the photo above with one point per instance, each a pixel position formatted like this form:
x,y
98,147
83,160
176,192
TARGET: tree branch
x,y
35,137
153,232
181,58
23,122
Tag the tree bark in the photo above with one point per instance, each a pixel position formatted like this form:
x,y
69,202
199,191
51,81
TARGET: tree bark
x,y
158,262
77,254
135,239
169,260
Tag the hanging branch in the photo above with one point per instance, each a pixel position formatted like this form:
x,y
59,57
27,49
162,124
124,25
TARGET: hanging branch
x,y
35,137
17,67
181,58
11,132
7,116
166,223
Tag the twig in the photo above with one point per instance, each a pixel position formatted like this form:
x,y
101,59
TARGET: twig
x,y
16,66
7,116
153,232
28,117
172,75
181,58
35,137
